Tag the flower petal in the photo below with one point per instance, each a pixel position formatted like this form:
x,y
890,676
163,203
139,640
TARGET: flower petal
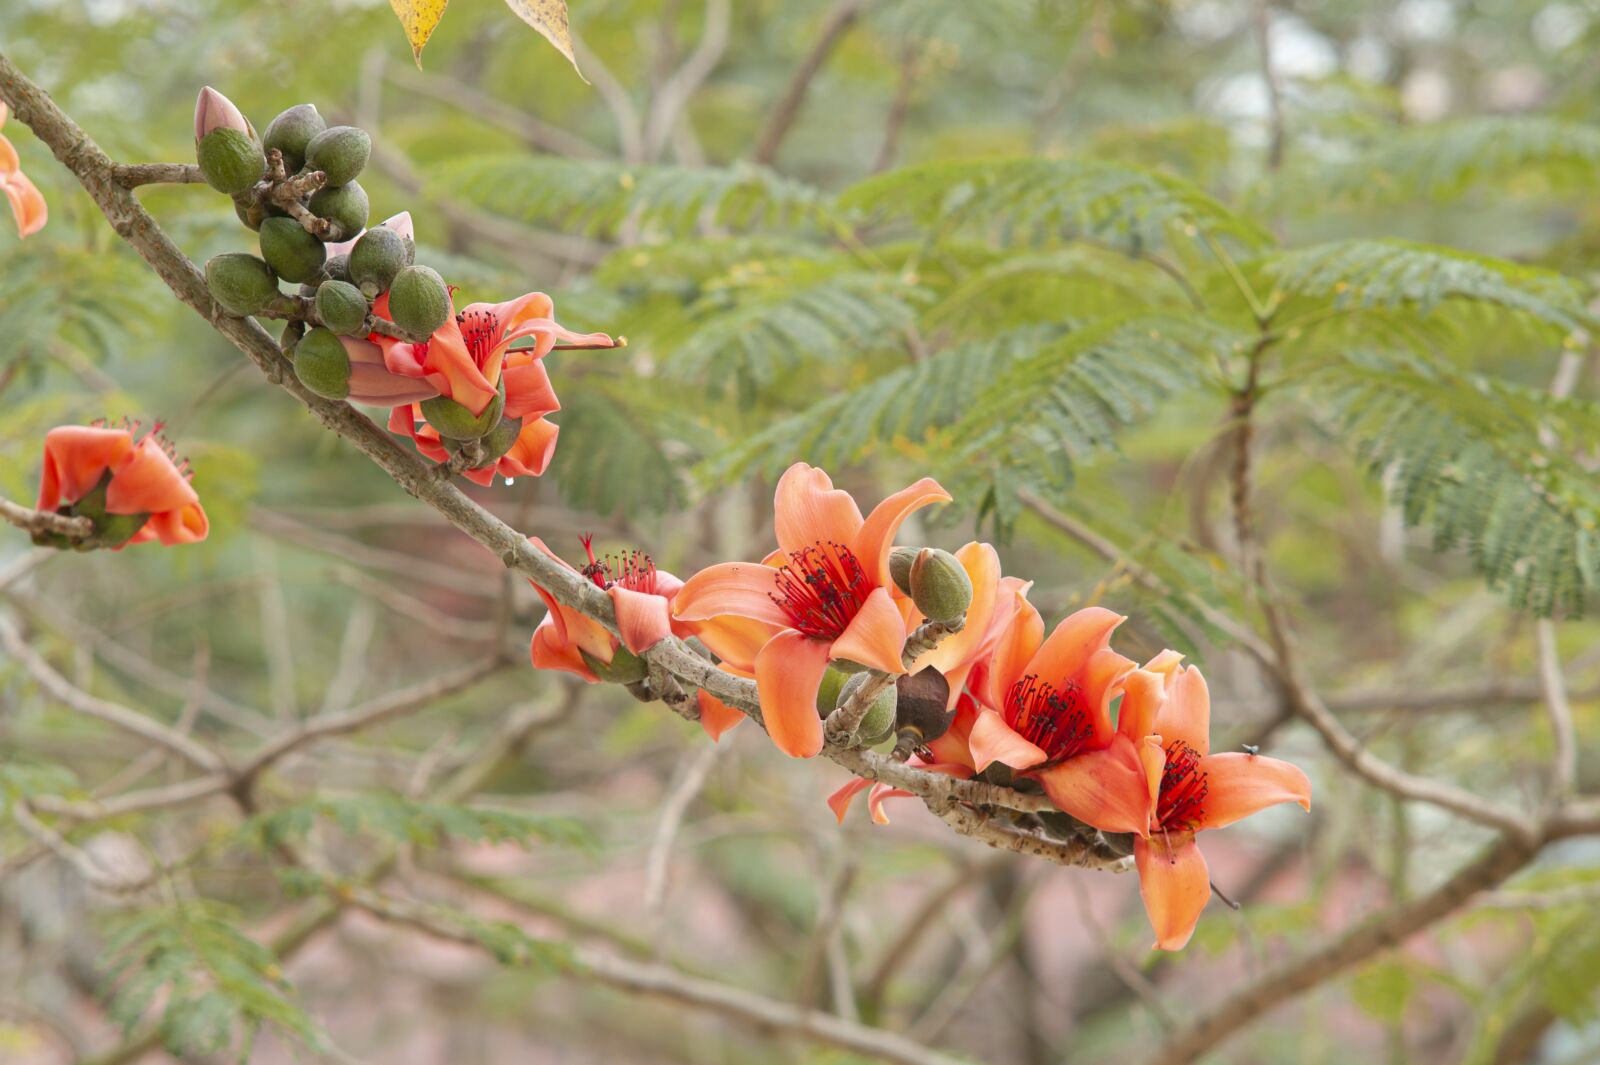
x,y
1186,715
1068,649
642,618
1107,789
1013,649
1176,885
550,649
187,524
716,716
735,640
808,510
28,206
1239,784
876,636
992,740
744,589
528,387
876,538
1101,677
1143,692
75,458
532,451
788,673
148,483
839,802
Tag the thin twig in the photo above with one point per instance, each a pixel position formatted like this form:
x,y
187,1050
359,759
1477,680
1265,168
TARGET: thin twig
x,y
839,20
132,175
43,521
673,96
691,778
1564,760
845,719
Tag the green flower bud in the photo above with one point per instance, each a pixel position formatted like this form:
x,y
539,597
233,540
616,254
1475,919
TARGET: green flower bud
x,y
342,307
337,267
322,364
879,722
900,560
340,152
828,693
499,439
230,161
242,283
343,205
419,302
456,422
625,667
293,254
377,257
291,132
939,585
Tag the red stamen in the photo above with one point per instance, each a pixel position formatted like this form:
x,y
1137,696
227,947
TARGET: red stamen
x,y
635,570
480,331
822,588
1183,788
1055,721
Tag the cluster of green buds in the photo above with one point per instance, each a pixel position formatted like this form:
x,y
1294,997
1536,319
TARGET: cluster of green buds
x,y
296,187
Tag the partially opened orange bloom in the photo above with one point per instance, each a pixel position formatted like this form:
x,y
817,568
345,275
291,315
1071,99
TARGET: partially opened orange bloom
x,y
27,202
823,595
1196,790
139,476
469,359
640,594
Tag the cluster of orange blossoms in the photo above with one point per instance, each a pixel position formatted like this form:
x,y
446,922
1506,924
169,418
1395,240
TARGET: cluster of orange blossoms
x,y
1123,748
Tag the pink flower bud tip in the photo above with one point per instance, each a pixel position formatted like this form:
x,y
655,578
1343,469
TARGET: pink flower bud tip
x,y
214,111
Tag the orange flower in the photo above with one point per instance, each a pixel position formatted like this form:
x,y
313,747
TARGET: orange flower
x,y
27,202
138,475
469,359
1196,790
572,642
1047,712
467,356
825,594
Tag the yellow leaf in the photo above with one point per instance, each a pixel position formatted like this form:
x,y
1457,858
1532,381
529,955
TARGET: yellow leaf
x,y
419,18
549,17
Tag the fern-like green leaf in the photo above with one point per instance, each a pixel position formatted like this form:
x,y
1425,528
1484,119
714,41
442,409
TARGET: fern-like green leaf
x,y
1034,200
1466,461
599,198
1490,152
409,821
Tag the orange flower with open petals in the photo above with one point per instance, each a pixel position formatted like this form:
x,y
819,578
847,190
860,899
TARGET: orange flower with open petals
x,y
1196,790
1048,713
641,594
100,471
27,202
824,595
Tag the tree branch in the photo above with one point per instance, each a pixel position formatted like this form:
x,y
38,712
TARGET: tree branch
x,y
132,175
42,521
840,19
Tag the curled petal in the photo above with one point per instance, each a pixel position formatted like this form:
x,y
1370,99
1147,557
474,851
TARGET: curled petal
x,y
1066,652
953,747
75,458
808,510
187,524
876,636
716,716
876,538
532,451
643,619
28,206
744,589
992,740
1186,715
839,802
1175,884
788,673
148,483
1107,789
1239,784
1014,647
1101,678
528,387
1142,695
734,639
550,649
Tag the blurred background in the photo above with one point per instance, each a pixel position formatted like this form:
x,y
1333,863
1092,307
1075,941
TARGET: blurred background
x,y
759,195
